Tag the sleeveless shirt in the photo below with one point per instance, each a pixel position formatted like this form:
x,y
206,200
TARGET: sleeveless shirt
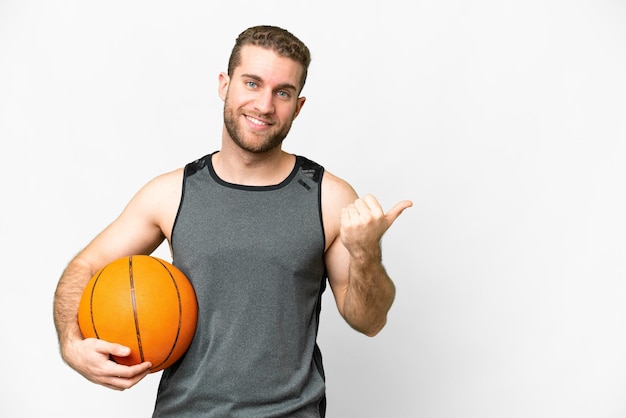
x,y
255,257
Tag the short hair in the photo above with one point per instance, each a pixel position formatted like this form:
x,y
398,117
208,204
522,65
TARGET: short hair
x,y
279,40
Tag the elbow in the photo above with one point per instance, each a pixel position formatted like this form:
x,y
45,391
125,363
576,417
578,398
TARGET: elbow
x,y
368,317
370,329
371,333
375,330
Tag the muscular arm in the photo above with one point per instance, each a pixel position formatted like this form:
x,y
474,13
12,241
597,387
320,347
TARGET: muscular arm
x,y
363,291
141,227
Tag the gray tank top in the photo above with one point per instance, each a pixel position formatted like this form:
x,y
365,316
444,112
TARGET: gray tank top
x,y
255,258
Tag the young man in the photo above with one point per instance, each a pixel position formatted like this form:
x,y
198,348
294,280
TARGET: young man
x,y
257,231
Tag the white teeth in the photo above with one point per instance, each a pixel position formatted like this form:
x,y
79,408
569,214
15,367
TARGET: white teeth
x,y
255,121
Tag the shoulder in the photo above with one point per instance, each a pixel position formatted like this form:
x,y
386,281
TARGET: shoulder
x,y
336,195
164,185
145,221
336,190
159,198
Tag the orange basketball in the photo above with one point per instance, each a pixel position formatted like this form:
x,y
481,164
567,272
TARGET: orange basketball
x,y
144,303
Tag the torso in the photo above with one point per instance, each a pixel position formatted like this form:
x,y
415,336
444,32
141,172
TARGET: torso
x,y
255,255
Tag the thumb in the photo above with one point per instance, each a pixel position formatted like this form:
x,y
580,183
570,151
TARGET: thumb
x,y
395,211
118,350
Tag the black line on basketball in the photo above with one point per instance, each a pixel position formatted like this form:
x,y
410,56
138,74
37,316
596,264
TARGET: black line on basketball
x,y
93,291
180,313
134,301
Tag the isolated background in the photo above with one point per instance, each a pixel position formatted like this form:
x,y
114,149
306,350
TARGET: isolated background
x,y
504,122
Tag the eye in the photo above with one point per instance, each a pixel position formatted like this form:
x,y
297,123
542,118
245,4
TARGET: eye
x,y
251,84
284,94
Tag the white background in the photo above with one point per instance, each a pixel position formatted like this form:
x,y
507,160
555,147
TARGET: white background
x,y
504,122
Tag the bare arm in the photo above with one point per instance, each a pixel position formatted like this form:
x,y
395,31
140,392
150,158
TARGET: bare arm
x,y
141,227
362,288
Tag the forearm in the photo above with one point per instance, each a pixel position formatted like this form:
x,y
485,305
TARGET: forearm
x,y
369,295
66,300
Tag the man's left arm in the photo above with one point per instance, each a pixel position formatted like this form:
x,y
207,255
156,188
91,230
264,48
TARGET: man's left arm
x,y
365,292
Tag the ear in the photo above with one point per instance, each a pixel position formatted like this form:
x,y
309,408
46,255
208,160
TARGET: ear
x,y
223,82
299,104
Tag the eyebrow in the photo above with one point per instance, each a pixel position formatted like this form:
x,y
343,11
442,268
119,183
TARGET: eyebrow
x,y
284,86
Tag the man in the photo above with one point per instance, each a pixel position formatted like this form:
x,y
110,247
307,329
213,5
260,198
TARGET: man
x,y
257,231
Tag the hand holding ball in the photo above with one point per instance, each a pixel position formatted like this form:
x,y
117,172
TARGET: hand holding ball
x,y
144,303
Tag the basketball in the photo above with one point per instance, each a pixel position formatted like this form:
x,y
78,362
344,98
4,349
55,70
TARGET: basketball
x,y
144,303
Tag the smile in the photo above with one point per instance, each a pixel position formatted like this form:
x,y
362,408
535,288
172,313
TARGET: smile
x,y
256,121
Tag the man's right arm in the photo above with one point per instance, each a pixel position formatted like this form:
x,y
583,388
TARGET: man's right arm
x,y
138,230
89,357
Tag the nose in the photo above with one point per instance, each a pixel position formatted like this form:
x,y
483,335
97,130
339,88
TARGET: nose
x,y
264,102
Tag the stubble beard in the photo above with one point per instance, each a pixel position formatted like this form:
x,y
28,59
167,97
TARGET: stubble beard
x,y
269,140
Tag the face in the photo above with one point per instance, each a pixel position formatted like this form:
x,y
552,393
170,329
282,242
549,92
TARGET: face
x,y
261,99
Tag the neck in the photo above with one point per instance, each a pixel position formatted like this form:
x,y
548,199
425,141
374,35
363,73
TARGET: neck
x,y
237,166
